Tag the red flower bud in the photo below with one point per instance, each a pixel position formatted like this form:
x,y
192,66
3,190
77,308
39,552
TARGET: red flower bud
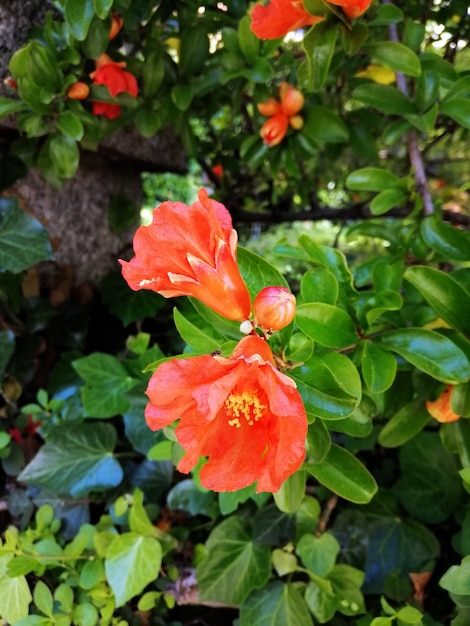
x,y
292,100
116,24
270,107
274,129
440,409
274,308
78,91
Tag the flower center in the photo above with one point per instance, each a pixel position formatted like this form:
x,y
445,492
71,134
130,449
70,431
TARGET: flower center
x,y
244,405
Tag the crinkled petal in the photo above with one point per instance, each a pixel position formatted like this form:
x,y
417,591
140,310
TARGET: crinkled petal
x,y
279,17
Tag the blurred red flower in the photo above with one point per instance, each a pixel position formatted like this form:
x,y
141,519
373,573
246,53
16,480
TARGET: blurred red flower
x,y
274,129
191,251
279,17
352,8
117,80
240,412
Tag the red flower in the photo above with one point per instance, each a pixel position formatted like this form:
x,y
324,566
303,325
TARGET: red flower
x,y
240,412
218,170
274,129
190,251
279,17
352,8
117,81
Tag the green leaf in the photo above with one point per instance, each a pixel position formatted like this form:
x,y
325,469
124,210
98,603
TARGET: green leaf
x,y
385,98
194,50
460,88
64,154
229,500
388,199
329,325
387,14
430,492
275,605
273,527
345,475
291,493
457,578
181,96
132,562
394,55
371,179
322,124
123,213
318,441
69,124
102,8
404,425
319,285
106,382
347,582
85,614
378,367
318,554
233,565
458,110
257,272
202,339
76,460
8,107
330,258
97,38
148,122
43,598
15,596
247,40
319,45
23,240
126,304
444,294
78,15
7,348
451,243
430,352
153,73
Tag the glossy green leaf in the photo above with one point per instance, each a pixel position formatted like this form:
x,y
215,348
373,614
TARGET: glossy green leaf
x,y
76,460
428,491
78,15
23,240
326,324
318,441
458,110
404,425
322,124
69,124
319,45
97,38
459,399
451,243
201,338
318,554
371,179
385,98
102,8
378,368
427,89
277,604
388,199
386,14
291,493
394,55
378,304
132,562
457,578
247,40
233,565
257,272
444,294
319,285
459,89
330,258
9,106
106,382
345,475
430,352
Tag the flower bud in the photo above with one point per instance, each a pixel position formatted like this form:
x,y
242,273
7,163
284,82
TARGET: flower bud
x,y
440,409
116,24
296,122
269,107
78,91
292,100
274,308
274,130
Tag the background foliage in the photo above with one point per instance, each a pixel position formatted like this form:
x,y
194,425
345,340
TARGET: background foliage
x,y
375,528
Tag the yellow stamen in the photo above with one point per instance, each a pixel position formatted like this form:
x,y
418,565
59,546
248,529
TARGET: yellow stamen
x,y
245,404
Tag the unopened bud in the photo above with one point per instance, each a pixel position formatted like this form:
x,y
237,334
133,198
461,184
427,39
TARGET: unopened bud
x,y
296,122
246,327
440,409
78,91
269,107
274,308
292,100
116,24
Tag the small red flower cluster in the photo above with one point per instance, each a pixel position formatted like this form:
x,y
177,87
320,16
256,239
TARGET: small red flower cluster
x,y
240,412
280,17
282,113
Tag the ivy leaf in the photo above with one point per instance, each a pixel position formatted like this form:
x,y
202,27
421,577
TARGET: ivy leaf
x,y
132,562
23,240
106,381
76,459
275,605
233,566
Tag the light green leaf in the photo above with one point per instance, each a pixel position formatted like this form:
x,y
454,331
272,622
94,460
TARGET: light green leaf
x,y
102,8
326,324
388,199
291,493
257,272
76,459
319,285
385,98
233,566
69,124
430,352
275,605
371,179
43,598
318,554
458,110
106,382
247,40
345,475
132,562
23,240
202,339
394,55
15,596
457,578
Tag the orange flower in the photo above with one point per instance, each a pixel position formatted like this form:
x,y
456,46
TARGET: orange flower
x,y
274,308
274,129
292,100
270,107
117,80
352,8
440,409
279,17
190,251
116,24
240,412
78,91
